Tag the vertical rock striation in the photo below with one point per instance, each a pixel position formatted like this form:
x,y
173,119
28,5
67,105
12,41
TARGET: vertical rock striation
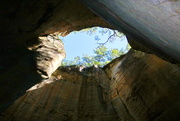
x,y
133,87
144,88
71,94
139,86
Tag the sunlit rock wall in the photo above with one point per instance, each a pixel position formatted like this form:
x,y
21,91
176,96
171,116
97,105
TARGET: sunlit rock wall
x,y
71,94
141,87
144,87
133,87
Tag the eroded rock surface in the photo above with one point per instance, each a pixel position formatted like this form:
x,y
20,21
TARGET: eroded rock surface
x,y
50,53
152,24
139,87
144,88
29,66
22,54
22,21
133,87
71,94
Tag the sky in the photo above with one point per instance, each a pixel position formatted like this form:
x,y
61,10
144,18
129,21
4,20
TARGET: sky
x,y
81,43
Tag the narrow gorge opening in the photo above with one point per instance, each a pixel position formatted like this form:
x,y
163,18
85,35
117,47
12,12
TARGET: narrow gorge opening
x,y
138,86
94,46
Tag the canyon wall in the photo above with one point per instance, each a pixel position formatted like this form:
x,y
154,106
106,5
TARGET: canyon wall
x,y
133,87
136,86
25,60
72,93
28,67
144,87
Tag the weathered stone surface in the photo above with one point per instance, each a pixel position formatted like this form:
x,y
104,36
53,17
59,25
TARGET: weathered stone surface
x,y
144,88
135,87
21,24
30,66
71,94
50,54
21,21
155,24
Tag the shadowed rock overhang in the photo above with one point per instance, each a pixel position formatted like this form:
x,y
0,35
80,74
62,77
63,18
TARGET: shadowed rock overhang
x,y
154,24
136,86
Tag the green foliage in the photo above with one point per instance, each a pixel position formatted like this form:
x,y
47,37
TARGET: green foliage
x,y
102,57
113,34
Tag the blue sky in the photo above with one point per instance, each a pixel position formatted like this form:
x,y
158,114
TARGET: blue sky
x,y
82,43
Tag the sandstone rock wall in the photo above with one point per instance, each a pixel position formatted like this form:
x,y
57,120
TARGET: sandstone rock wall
x,y
71,94
133,87
23,61
28,67
144,88
139,86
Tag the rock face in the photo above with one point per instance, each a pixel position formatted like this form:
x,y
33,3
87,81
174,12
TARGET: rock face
x,y
71,94
25,20
152,24
50,54
22,24
144,88
30,66
136,86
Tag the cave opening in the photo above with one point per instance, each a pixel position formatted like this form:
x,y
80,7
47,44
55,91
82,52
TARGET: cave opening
x,y
137,86
94,46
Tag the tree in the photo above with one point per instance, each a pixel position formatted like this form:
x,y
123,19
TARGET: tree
x,y
113,34
102,57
